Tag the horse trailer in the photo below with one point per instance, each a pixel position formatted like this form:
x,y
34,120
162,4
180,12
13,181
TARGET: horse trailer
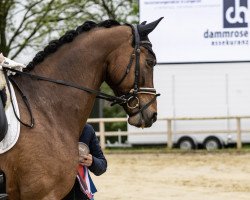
x,y
199,90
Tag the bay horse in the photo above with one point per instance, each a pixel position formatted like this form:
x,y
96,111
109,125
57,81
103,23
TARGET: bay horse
x,y
43,163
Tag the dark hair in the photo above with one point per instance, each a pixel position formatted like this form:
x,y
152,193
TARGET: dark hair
x,y
66,38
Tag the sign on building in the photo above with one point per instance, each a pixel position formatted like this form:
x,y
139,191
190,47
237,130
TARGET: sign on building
x,y
199,30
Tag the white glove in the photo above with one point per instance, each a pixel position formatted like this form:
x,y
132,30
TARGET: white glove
x,y
11,64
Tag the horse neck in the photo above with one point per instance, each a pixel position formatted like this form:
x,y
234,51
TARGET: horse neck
x,y
82,62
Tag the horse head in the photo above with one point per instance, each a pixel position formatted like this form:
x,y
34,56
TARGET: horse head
x,y
130,72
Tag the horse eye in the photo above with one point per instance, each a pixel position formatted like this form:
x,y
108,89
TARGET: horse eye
x,y
150,62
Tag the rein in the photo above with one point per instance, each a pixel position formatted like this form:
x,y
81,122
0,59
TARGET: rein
x,y
121,100
114,99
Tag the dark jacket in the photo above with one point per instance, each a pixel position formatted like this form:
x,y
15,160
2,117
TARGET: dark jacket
x,y
99,164
88,137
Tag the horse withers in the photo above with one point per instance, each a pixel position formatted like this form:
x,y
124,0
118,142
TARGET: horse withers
x,y
43,163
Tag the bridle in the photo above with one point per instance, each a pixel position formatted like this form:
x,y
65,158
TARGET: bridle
x,y
132,95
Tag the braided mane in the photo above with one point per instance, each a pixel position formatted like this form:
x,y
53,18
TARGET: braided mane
x,y
66,38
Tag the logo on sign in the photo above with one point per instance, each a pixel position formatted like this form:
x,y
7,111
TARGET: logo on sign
x,y
235,13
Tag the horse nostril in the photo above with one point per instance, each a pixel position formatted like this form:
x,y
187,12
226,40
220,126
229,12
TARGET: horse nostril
x,y
154,117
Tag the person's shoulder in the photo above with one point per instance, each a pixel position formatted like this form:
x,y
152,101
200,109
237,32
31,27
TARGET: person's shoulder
x,y
88,133
88,127
89,130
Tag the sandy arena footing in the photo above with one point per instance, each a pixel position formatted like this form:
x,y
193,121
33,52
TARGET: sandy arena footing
x,y
180,176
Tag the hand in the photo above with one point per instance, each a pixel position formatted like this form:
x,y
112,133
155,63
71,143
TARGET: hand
x,y
87,160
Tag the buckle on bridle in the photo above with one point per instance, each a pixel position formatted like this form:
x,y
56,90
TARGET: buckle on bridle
x,y
136,102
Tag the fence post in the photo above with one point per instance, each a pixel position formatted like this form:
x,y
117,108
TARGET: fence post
x,y
169,134
102,134
239,143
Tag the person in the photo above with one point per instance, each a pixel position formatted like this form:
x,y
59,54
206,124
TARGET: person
x,y
95,162
6,62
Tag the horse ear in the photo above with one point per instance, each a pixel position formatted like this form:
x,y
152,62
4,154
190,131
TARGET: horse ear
x,y
144,22
145,29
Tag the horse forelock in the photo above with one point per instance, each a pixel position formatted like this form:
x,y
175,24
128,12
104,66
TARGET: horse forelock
x,y
66,38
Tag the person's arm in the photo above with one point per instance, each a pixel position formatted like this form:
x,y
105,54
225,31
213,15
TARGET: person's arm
x,y
99,163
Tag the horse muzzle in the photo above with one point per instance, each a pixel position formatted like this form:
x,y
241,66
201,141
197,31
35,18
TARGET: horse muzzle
x,y
142,113
143,120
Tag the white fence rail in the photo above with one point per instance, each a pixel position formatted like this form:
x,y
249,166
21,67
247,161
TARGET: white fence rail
x,y
169,133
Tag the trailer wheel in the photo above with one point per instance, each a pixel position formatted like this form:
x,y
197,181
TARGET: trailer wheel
x,y
186,143
212,143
